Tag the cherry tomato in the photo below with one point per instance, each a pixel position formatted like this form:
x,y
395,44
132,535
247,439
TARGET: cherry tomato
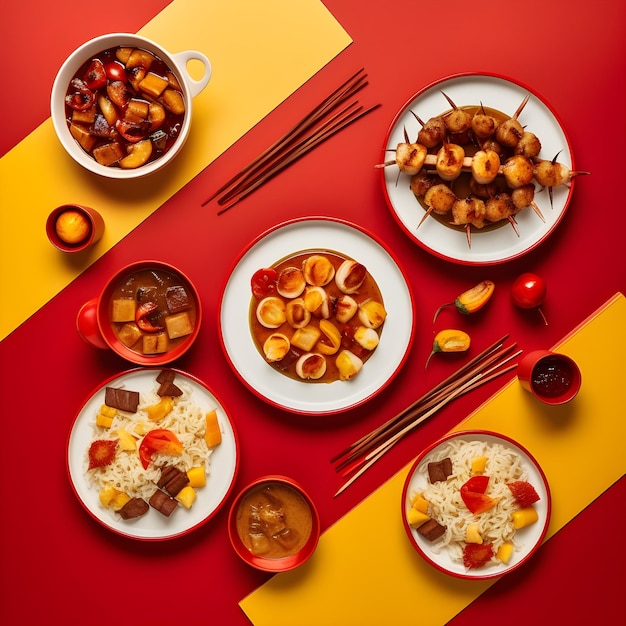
x,y
528,291
115,71
159,440
95,76
263,282
79,97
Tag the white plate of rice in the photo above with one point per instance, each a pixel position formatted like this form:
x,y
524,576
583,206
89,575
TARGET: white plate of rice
x,y
507,461
187,421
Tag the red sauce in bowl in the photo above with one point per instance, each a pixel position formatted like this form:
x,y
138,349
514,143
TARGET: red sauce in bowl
x,y
552,377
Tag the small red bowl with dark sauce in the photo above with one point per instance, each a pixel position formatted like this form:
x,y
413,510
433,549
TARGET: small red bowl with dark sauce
x,y
551,377
149,313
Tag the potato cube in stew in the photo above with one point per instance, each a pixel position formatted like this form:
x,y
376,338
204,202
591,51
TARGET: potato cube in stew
x,y
173,101
306,338
83,136
139,58
84,117
129,334
108,154
153,84
123,310
178,325
154,344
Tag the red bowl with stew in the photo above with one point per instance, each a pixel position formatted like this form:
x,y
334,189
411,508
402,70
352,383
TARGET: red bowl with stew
x,y
273,524
149,313
121,104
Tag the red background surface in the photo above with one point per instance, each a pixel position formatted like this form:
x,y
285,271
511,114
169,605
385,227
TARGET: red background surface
x,y
58,564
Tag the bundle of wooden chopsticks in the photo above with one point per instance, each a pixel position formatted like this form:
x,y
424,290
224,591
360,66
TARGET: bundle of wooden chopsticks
x,y
327,118
492,362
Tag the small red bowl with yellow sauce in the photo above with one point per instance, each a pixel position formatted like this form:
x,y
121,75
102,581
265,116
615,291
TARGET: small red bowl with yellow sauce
x,y
273,524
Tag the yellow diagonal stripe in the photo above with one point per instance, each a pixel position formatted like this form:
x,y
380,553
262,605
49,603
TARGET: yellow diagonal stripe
x,y
252,47
365,571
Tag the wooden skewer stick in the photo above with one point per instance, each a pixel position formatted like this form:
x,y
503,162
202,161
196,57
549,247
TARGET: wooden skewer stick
x,y
370,459
344,91
450,380
296,154
486,367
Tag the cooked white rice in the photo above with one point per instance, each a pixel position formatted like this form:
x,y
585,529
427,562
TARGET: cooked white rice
x,y
504,465
186,420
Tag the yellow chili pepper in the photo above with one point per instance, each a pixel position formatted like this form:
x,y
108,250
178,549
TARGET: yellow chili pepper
x,y
471,300
449,340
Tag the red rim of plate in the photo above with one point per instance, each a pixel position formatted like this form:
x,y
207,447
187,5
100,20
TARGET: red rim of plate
x,y
409,531
129,535
384,152
251,245
280,564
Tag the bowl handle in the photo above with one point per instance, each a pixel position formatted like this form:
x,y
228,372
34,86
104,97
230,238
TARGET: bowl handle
x,y
182,58
87,325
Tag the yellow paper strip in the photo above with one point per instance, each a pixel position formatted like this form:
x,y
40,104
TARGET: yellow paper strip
x,y
251,47
365,571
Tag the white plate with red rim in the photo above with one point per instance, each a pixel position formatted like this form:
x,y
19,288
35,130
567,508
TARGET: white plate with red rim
x,y
490,246
153,526
528,539
316,233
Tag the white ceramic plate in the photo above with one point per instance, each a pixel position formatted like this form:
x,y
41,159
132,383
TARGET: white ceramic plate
x,y
529,539
224,462
491,246
316,398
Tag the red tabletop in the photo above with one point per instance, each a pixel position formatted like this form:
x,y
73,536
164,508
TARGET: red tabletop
x,y
57,563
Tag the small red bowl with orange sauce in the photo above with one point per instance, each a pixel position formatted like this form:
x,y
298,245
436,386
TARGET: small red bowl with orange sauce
x,y
273,524
149,313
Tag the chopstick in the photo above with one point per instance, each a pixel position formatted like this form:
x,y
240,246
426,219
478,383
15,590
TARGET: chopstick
x,y
485,367
314,128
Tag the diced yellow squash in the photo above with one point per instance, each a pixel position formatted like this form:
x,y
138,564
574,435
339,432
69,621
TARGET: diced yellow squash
x,y
197,476
81,133
108,154
139,58
136,76
187,496
155,344
108,110
108,410
504,552
129,334
472,534
156,116
119,500
126,440
416,518
478,464
123,310
104,421
107,494
123,54
173,81
420,503
305,338
153,84
158,411
213,434
84,117
137,110
173,101
139,153
524,517
178,325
